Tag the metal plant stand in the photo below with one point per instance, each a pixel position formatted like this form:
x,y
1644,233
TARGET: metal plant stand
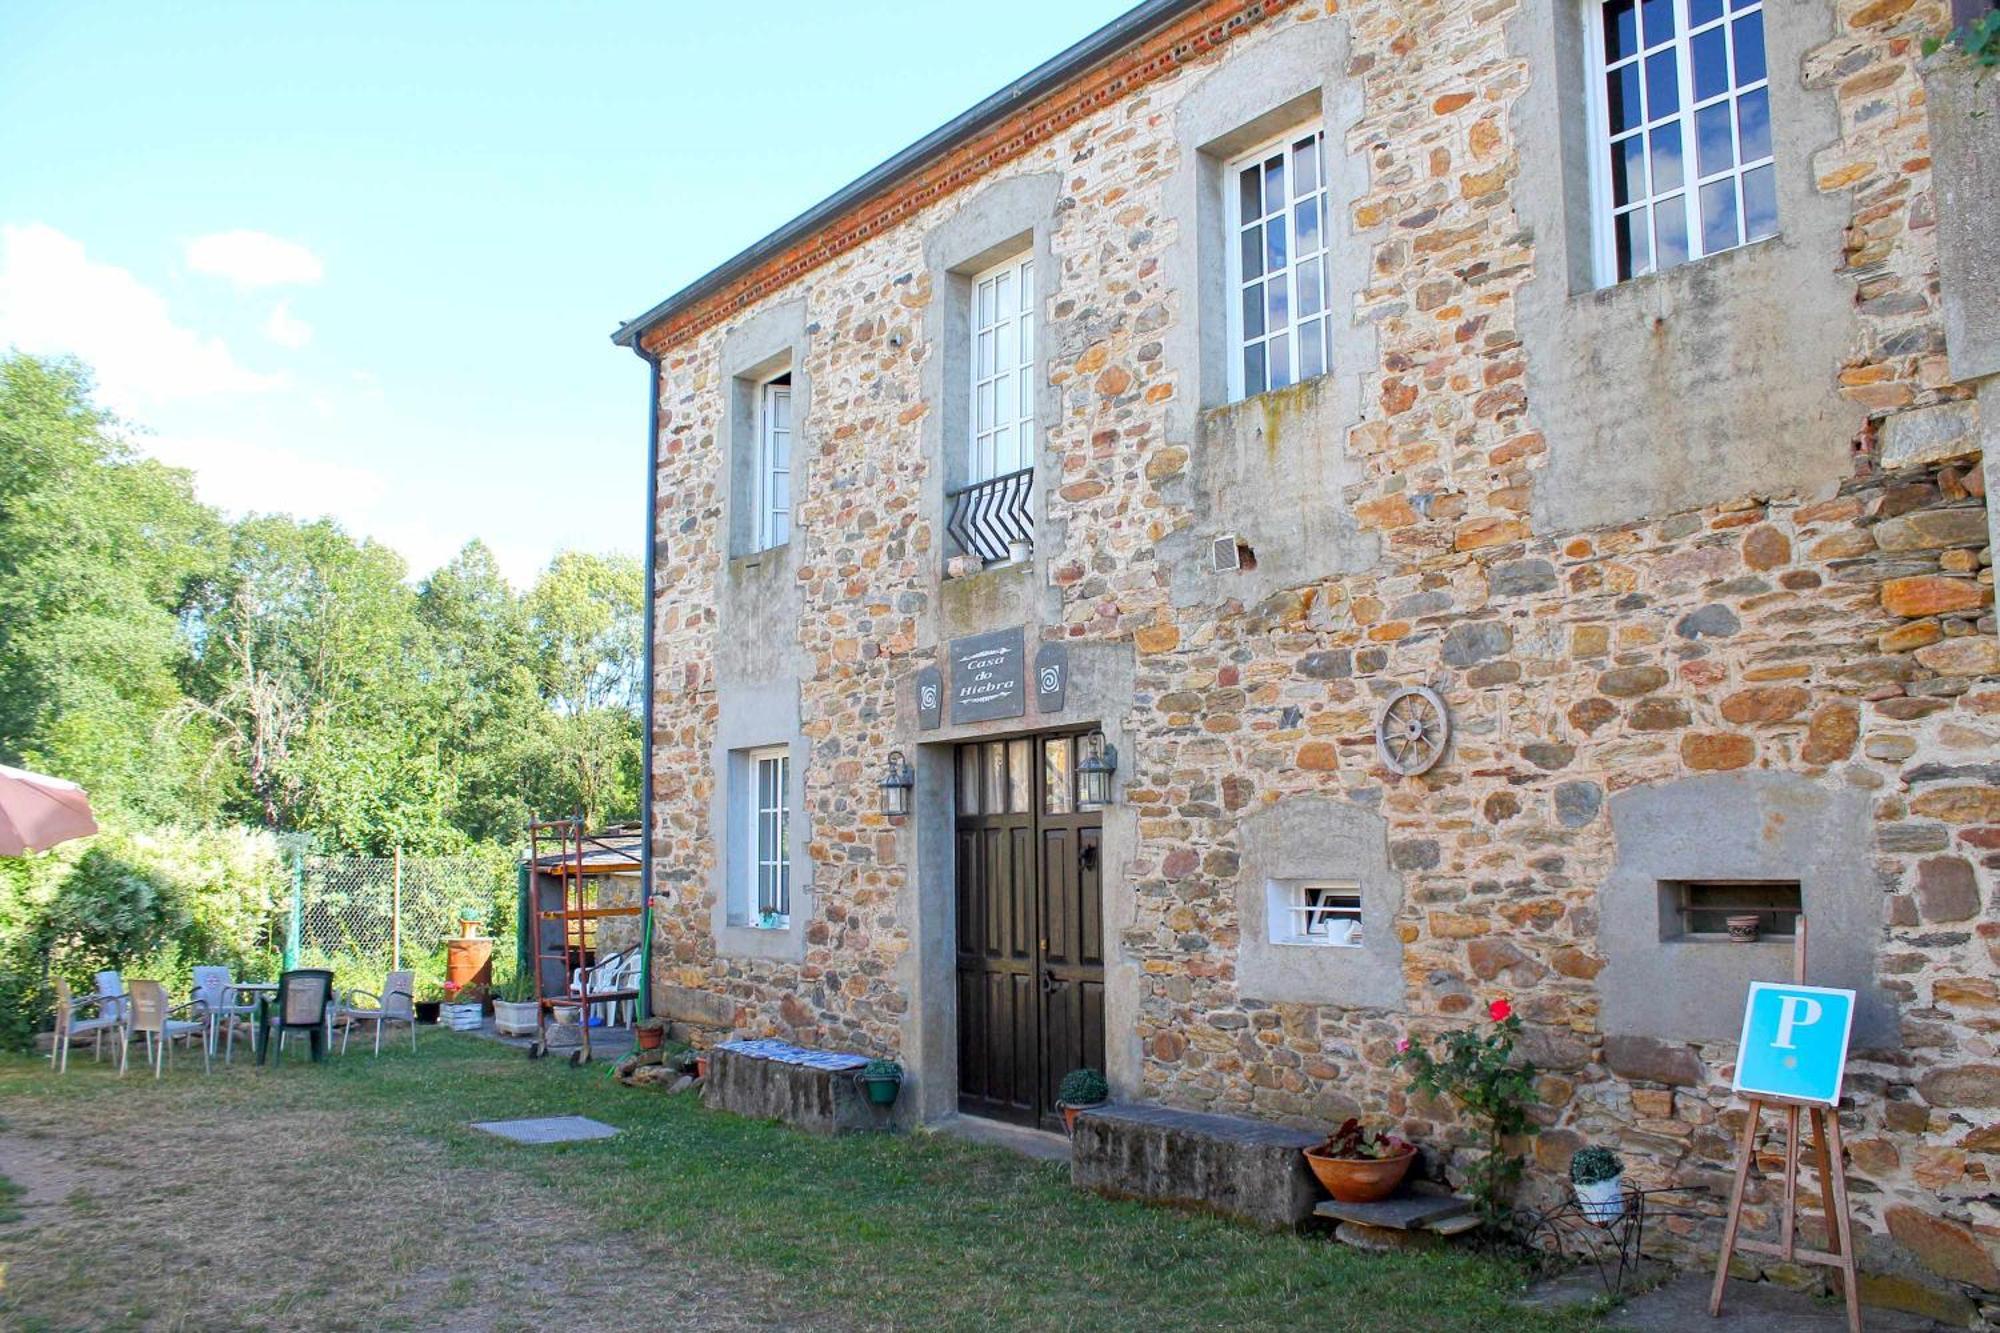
x,y
1614,1248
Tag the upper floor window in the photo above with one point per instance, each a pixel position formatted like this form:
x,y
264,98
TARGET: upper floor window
x,y
1277,204
774,462
992,514
1003,362
1681,132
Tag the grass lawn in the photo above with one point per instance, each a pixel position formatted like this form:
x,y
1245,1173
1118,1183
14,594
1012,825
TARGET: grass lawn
x,y
352,1195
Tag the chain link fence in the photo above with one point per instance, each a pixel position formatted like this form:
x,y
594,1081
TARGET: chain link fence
x,y
363,916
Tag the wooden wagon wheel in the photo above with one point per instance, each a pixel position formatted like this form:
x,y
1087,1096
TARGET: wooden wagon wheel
x,y
1413,730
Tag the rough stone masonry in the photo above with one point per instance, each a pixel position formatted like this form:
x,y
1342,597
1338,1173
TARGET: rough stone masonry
x,y
1700,562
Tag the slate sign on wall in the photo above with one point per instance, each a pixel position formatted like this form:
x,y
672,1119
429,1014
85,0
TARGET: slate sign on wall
x,y
1051,677
930,699
989,676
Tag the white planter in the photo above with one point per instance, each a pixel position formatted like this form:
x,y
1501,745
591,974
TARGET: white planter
x,y
1603,1201
515,1018
462,1017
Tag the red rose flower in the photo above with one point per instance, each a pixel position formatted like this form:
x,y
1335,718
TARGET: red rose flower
x,y
1500,1010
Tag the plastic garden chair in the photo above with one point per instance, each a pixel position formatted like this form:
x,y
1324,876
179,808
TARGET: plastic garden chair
x,y
618,972
152,1013
111,989
216,991
304,999
396,1004
69,1027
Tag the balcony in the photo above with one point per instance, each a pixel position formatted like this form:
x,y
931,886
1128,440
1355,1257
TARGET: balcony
x,y
989,517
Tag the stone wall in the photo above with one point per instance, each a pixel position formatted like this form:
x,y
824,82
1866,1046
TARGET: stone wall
x,y
1826,631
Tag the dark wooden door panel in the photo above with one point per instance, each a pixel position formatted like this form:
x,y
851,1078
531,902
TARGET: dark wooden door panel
x,y
1030,933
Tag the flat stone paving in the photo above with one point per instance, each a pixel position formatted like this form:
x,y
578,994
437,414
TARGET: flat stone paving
x,y
1681,1304
548,1129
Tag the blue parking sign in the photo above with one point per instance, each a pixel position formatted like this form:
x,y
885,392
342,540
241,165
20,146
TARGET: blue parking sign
x,y
1794,1042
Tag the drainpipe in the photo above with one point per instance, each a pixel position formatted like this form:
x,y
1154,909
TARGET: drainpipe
x,y
645,1006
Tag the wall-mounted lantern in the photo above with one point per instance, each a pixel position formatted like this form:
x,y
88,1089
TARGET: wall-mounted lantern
x,y
1093,773
895,786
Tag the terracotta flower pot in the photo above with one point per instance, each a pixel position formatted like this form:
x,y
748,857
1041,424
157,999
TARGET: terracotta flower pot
x,y
1070,1113
1360,1179
1743,929
701,1067
651,1039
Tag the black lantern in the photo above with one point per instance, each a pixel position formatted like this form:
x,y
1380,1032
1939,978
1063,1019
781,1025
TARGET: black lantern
x,y
895,786
1093,773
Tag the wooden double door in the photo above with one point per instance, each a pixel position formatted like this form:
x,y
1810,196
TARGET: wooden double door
x,y
1030,927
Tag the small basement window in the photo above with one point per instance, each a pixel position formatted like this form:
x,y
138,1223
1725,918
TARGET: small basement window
x,y
1701,908
1326,914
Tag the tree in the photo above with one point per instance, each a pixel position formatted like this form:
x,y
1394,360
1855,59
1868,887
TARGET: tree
x,y
98,550
320,684
494,728
587,613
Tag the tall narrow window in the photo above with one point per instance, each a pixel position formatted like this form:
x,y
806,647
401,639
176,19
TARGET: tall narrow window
x,y
770,827
1276,199
1681,131
1003,362
774,463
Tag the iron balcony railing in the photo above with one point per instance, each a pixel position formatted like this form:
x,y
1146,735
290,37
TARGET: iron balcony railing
x,y
987,516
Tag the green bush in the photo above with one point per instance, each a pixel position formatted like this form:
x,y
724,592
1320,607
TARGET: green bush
x,y
1595,1165
1083,1087
882,1069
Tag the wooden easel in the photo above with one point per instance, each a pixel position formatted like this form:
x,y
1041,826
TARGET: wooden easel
x,y
1829,1160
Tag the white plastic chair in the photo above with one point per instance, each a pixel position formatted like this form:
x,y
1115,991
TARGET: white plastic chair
x,y
111,990
151,1012
215,990
618,972
396,1004
69,1027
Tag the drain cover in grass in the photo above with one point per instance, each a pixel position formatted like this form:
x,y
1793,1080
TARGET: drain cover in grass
x,y
549,1129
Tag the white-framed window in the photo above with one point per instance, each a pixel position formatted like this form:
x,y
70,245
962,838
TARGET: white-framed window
x,y
1325,913
774,462
1003,370
1276,202
1680,108
769,773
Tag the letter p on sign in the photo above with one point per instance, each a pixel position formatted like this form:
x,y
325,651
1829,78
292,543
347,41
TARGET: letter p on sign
x,y
1794,1042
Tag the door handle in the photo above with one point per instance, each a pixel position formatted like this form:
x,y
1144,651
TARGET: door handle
x,y
1048,984
1087,856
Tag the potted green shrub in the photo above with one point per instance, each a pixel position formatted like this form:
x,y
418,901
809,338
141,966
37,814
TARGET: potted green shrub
x,y
1081,1089
881,1080
1358,1165
1598,1177
514,1008
652,1034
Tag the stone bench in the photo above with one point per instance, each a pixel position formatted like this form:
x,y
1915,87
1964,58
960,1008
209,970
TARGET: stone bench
x,y
812,1090
1242,1168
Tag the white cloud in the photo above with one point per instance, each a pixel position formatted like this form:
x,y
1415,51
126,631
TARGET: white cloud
x,y
241,477
286,329
254,259
55,299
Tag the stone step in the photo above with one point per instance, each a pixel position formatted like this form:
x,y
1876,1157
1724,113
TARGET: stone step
x,y
1404,1212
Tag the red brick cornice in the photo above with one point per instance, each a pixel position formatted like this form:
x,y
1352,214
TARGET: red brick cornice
x,y
1165,50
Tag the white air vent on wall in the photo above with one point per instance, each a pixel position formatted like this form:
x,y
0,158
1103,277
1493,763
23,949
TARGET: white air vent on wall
x,y
1226,556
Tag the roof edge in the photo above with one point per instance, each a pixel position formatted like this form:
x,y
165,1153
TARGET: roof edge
x,y
1050,74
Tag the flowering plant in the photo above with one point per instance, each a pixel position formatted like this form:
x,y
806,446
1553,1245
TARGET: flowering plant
x,y
1477,1069
1351,1142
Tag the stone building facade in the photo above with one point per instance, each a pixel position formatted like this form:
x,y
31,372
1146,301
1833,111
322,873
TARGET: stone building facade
x,y
1698,562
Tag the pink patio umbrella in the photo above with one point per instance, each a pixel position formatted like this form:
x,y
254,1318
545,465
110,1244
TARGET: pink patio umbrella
x,y
37,812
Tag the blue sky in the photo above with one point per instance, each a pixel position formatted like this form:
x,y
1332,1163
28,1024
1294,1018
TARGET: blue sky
x,y
364,258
